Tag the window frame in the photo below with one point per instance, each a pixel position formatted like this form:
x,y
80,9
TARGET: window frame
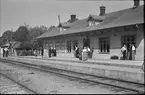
x,y
57,45
102,42
127,42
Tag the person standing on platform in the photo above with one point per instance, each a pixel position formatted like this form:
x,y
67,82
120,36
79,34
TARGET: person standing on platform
x,y
91,53
85,54
54,50
6,51
130,52
42,52
76,52
133,52
80,53
50,51
124,51
3,52
35,53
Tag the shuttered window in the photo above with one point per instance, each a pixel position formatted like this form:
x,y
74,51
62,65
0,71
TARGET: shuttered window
x,y
104,45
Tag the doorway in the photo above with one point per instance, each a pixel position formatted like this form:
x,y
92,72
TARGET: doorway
x,y
69,46
86,42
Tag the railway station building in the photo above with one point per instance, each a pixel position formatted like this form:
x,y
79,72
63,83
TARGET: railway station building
x,y
106,33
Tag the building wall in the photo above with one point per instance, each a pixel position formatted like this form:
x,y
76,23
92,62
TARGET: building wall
x,y
115,42
140,44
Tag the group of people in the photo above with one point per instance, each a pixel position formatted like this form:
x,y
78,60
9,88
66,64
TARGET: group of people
x,y
128,52
52,52
83,53
5,52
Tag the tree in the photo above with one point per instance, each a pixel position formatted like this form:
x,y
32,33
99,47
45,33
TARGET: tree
x,y
35,32
7,36
1,41
21,34
26,45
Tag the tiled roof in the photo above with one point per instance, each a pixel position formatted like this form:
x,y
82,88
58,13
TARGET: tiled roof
x,y
125,17
96,18
68,24
16,45
121,18
5,45
55,31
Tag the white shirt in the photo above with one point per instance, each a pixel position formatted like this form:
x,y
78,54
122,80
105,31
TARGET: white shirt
x,y
84,50
133,47
6,49
89,49
123,49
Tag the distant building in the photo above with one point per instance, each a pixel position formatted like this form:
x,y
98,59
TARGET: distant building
x,y
106,33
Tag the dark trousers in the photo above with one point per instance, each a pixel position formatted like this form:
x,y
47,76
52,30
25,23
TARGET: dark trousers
x,y
124,55
130,55
54,52
133,55
50,51
49,54
3,53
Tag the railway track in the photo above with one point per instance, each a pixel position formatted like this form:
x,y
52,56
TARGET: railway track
x,y
10,86
122,84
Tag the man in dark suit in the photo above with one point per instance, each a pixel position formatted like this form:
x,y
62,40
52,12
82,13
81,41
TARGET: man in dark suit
x,y
54,51
50,51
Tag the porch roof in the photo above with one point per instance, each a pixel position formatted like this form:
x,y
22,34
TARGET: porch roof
x,y
16,45
5,45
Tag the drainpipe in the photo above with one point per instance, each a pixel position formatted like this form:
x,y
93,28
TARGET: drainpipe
x,y
144,53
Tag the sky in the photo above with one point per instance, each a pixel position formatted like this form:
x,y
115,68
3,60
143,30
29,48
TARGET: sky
x,y
14,13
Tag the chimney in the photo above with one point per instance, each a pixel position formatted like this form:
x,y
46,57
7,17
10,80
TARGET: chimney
x,y
73,17
136,3
102,10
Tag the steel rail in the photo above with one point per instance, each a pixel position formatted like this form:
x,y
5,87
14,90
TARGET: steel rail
x,y
18,83
57,69
75,72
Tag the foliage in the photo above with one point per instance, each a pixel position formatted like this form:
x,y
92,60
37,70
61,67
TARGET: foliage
x,y
1,41
26,45
27,35
35,32
7,35
21,34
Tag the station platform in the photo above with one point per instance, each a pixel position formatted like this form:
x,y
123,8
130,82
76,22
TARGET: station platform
x,y
120,63
118,69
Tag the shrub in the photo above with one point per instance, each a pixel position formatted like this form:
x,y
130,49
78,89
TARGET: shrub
x,y
114,57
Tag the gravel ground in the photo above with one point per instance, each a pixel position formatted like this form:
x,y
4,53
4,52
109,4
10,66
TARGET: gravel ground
x,y
47,83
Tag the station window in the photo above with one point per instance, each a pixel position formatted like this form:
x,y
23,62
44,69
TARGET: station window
x,y
57,45
129,39
62,44
104,45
